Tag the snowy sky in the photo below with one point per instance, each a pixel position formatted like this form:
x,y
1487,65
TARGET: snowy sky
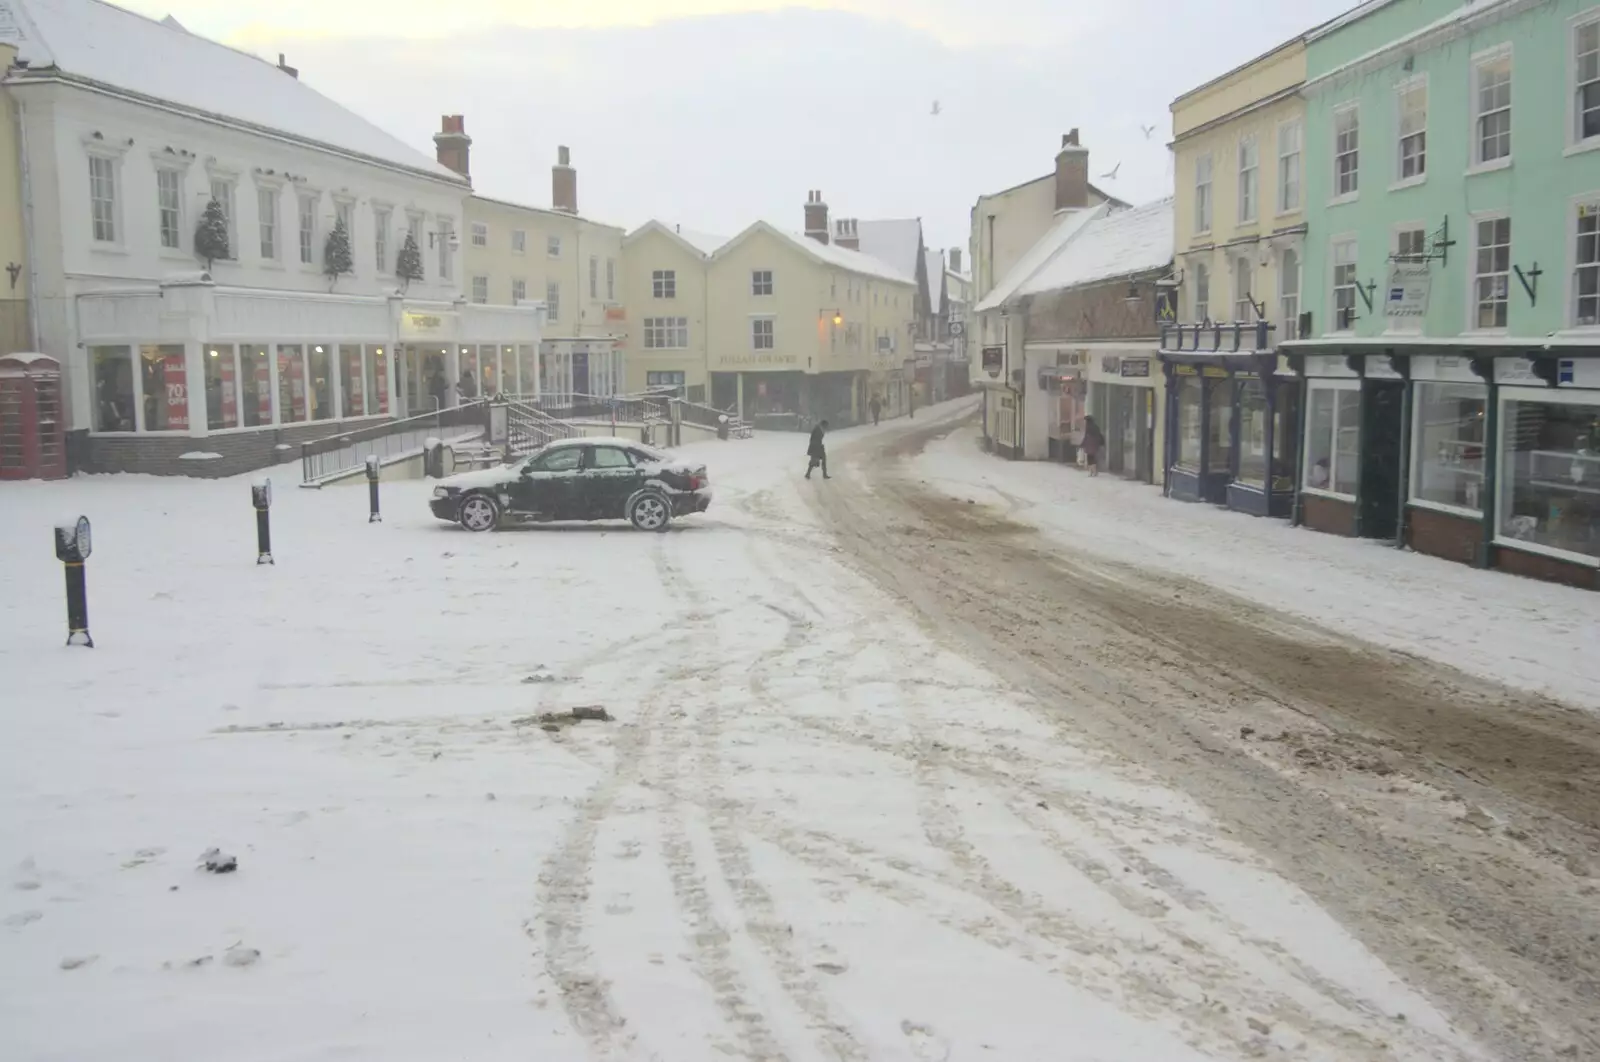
x,y
712,113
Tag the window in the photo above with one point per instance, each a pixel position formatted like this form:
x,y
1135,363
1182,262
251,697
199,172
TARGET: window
x,y
1202,293
1586,271
654,380
1410,244
1448,434
1202,194
666,333
480,290
664,284
352,381
480,234
1550,463
1244,307
609,457
1333,437
1191,393
1289,295
564,459
1492,107
169,207
446,237
115,406
1219,397
1347,150
519,241
267,220
1289,137
255,374
761,334
380,240
761,282
1413,129
320,379
1345,259
308,230
1491,283
519,291
1252,433
594,277
164,384
1586,79
1249,179
552,299
552,247
222,192
611,280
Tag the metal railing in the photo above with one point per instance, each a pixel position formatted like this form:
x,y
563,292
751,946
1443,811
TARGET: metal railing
x,y
322,459
528,428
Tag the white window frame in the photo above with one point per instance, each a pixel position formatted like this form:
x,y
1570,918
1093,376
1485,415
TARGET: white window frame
x,y
1480,60
519,241
1244,307
480,290
1284,184
1291,316
1202,280
1348,239
1204,193
112,155
1591,200
1351,194
1476,220
611,280
666,333
1576,141
480,234
1249,180
1336,385
770,334
268,221
552,300
552,246
1412,498
594,277
305,239
230,206
382,225
760,278
1548,396
519,291
664,283
1402,92
177,174
1409,326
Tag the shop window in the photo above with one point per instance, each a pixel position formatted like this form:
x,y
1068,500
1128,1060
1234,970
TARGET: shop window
x,y
1448,433
1285,435
1219,396
321,381
352,381
255,375
489,369
1550,472
222,388
113,388
375,367
291,384
1333,439
467,385
1252,433
166,388
528,366
1190,396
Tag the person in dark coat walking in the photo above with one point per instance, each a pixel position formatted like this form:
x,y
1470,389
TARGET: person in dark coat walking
x,y
817,452
1094,441
876,405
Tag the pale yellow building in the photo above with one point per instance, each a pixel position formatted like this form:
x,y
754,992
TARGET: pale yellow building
x,y
664,269
16,333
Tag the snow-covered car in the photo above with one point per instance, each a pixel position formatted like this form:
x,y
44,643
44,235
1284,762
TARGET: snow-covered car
x,y
577,479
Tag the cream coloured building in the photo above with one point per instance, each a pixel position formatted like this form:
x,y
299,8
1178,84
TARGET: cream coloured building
x,y
16,332
798,327
664,269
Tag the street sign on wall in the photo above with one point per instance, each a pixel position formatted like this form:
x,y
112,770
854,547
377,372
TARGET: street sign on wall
x,y
994,359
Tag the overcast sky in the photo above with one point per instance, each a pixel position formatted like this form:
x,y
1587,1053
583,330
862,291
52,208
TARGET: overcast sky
x,y
712,113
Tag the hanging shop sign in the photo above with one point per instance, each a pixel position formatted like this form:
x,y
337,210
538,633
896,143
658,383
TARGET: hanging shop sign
x,y
1410,284
1166,305
1110,364
993,360
1134,367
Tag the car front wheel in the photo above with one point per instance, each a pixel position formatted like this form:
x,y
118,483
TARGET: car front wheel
x,y
479,512
649,511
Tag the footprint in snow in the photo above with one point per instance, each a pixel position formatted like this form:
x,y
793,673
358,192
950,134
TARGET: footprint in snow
x,y
926,1044
22,918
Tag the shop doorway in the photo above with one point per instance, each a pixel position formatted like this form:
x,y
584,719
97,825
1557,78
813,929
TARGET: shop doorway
x,y
1379,488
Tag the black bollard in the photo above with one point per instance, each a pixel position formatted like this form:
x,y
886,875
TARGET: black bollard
x,y
372,489
72,549
261,498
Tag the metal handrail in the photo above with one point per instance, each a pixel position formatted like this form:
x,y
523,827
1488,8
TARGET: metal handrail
x,y
333,454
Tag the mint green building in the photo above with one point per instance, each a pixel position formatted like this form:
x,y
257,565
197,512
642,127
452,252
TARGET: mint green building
x,y
1451,292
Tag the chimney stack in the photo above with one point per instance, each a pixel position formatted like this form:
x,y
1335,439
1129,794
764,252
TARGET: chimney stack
x,y
564,183
287,69
845,234
816,217
453,146
955,260
1072,174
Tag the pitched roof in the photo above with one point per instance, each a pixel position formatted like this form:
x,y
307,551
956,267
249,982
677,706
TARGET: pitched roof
x,y
1051,176
98,42
1066,225
897,241
700,243
827,253
1119,243
704,242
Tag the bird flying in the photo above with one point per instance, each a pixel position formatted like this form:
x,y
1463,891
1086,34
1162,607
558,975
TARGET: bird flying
x,y
1111,176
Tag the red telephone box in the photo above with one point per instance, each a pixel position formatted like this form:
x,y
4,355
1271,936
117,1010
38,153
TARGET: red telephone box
x,y
33,427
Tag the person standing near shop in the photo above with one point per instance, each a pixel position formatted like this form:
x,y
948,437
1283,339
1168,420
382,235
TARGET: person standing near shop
x,y
876,405
1094,441
817,452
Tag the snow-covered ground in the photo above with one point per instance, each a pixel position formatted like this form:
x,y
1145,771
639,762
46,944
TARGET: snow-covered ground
x,y
1535,636
811,832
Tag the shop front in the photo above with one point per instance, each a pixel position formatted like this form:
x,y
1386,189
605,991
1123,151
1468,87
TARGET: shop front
x,y
1123,389
573,372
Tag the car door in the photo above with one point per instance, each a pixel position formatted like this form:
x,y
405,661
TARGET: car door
x,y
610,479
548,483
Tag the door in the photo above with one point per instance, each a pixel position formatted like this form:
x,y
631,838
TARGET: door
x,y
1379,487
609,479
548,485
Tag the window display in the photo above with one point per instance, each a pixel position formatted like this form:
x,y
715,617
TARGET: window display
x,y
1550,471
1448,465
1333,438
1219,396
1189,415
291,384
1252,433
255,370
165,382
222,388
321,380
113,388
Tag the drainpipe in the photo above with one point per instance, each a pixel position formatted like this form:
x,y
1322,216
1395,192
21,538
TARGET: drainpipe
x,y
30,242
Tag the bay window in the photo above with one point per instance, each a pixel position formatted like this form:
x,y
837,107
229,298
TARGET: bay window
x,y
1549,482
1333,438
1447,463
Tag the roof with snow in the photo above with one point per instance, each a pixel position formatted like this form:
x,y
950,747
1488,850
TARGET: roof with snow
x,y
96,42
828,254
1066,225
700,243
1119,243
704,242
896,241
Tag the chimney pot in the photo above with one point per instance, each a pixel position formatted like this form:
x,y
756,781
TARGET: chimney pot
x,y
816,217
286,68
452,145
1072,174
564,183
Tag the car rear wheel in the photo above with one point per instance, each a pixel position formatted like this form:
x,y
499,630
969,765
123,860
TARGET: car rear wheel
x,y
649,511
479,512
